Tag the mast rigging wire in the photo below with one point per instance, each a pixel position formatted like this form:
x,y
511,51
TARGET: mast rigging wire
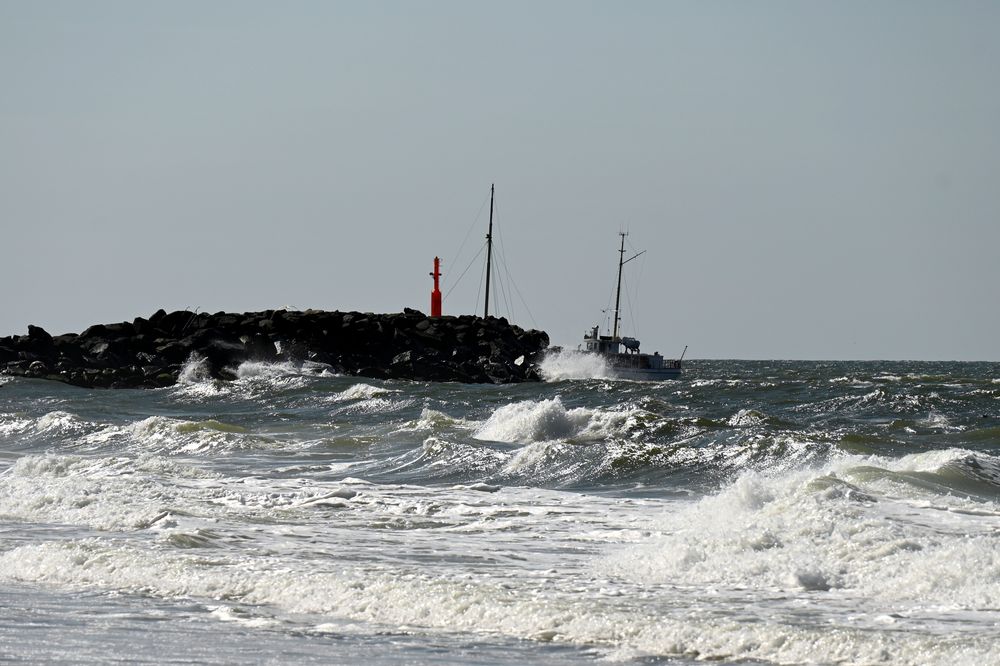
x,y
459,278
469,231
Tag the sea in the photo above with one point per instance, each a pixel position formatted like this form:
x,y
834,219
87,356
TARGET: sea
x,y
751,512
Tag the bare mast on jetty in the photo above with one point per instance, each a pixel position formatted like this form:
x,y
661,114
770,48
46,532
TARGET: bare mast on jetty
x,y
489,256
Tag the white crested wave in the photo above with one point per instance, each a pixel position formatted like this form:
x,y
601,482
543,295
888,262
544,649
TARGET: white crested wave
x,y
162,434
545,420
361,392
540,460
431,420
59,422
459,455
367,399
62,425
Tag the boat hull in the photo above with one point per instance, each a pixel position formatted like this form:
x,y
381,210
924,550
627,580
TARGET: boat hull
x,y
647,374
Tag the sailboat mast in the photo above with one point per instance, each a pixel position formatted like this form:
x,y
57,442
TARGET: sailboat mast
x,y
618,292
489,258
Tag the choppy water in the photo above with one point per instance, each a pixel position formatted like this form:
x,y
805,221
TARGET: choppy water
x,y
752,512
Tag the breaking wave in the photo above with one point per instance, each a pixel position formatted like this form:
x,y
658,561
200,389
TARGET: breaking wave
x,y
545,420
846,526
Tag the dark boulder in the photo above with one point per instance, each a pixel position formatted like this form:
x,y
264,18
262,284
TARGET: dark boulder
x,y
7,354
174,323
175,351
95,332
37,369
39,335
123,329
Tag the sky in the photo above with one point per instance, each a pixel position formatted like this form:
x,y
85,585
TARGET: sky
x,y
809,180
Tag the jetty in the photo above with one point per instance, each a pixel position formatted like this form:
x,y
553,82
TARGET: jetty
x,y
152,352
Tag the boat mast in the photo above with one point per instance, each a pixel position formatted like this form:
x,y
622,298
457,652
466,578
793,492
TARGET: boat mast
x,y
618,293
489,257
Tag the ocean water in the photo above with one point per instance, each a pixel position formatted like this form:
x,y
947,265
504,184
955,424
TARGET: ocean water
x,y
749,513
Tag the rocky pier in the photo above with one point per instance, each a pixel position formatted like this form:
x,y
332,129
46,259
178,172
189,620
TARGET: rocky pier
x,y
151,353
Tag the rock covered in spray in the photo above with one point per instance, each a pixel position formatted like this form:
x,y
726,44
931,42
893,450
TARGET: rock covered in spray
x,y
152,352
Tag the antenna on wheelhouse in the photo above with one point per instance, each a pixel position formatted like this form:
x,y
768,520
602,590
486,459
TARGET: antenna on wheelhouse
x,y
489,256
618,292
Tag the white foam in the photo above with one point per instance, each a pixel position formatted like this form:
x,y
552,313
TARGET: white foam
x,y
99,493
194,382
253,369
746,418
479,487
11,424
573,365
239,616
540,607
940,421
253,378
810,530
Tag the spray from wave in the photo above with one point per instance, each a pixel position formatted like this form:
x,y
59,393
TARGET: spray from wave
x,y
195,371
260,369
568,364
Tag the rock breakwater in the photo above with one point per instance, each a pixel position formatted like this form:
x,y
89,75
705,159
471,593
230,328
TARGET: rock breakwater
x,y
152,352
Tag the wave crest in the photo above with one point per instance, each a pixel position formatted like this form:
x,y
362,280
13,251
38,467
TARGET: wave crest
x,y
546,420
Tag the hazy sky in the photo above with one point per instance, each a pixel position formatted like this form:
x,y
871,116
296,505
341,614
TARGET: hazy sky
x,y
809,179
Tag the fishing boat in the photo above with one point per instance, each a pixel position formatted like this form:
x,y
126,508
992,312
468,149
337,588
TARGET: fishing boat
x,y
622,354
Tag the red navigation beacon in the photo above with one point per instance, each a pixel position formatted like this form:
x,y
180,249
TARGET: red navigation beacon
x,y
436,294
